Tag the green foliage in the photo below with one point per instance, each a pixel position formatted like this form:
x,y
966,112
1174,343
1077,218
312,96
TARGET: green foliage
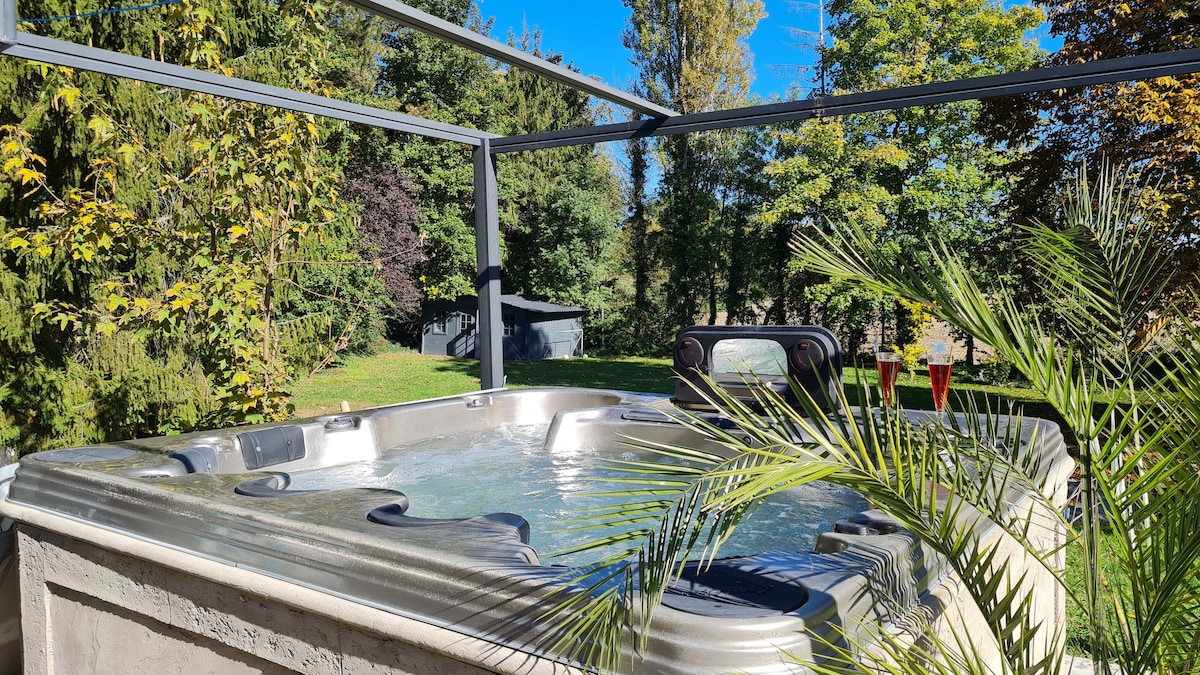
x,y
637,319
691,57
904,174
182,236
1152,124
563,256
215,230
436,80
1134,427
911,352
559,206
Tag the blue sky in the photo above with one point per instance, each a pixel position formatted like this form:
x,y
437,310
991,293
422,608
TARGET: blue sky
x,y
588,33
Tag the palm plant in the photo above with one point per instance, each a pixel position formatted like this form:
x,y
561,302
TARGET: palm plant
x,y
1132,412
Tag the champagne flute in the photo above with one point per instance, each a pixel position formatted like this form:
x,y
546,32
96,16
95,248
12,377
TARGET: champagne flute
x,y
888,365
940,363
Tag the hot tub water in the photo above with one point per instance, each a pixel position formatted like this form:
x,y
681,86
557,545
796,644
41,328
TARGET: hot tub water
x,y
508,469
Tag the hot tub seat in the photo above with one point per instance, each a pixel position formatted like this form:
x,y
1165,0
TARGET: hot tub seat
x,y
393,515
274,486
734,588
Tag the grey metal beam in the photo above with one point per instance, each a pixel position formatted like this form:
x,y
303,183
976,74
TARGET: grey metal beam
x,y
432,25
487,256
8,21
77,56
1042,79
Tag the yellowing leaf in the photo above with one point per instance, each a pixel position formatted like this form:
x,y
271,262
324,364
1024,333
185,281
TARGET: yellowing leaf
x,y
182,303
115,301
100,126
68,94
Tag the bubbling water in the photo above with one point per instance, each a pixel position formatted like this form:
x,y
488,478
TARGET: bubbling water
x,y
507,469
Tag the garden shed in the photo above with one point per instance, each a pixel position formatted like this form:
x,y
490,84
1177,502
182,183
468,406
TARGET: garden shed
x,y
533,330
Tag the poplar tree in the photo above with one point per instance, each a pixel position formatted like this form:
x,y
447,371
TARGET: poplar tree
x,y
691,56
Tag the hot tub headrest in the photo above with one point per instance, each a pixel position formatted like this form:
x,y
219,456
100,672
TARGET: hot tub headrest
x,y
271,446
810,355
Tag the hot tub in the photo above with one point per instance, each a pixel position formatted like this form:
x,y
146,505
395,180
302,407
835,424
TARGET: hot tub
x,y
258,548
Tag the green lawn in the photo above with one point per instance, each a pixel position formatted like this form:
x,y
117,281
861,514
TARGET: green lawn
x,y
389,377
1115,580
399,375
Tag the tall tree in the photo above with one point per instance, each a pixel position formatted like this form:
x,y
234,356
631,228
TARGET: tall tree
x,y
638,323
558,206
389,221
742,198
692,57
431,78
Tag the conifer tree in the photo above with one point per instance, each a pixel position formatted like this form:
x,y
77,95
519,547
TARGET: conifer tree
x,y
692,57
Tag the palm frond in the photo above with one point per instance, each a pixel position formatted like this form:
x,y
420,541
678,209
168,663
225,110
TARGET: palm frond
x,y
1136,421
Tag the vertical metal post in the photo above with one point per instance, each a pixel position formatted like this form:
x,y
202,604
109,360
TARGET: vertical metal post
x,y
487,256
8,21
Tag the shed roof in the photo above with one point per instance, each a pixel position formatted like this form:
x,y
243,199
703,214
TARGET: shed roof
x,y
537,306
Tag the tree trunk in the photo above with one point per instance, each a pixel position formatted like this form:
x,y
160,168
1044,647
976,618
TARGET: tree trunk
x,y
641,252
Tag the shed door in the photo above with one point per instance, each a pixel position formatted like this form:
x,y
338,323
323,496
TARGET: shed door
x,y
464,339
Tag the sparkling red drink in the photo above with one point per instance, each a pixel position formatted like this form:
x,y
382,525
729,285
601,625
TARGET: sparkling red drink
x,y
888,365
939,380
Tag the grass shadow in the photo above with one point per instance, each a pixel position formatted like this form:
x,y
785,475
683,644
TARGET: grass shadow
x,y
629,374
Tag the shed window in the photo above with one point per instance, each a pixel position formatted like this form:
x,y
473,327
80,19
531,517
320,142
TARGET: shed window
x,y
439,325
467,322
510,325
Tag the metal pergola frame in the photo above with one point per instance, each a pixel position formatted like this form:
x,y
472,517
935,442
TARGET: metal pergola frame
x,y
487,146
